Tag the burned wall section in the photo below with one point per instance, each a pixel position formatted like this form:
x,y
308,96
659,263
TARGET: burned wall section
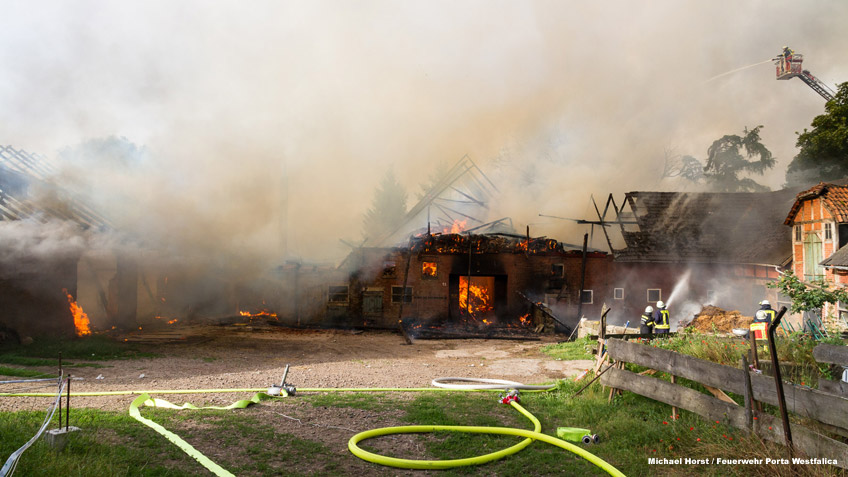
x,y
32,300
512,272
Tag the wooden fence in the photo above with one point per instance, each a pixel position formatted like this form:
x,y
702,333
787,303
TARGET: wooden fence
x,y
824,407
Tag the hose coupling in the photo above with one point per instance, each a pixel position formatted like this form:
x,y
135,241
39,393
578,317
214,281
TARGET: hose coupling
x,y
509,396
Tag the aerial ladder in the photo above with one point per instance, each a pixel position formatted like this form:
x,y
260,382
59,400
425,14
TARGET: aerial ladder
x,y
788,65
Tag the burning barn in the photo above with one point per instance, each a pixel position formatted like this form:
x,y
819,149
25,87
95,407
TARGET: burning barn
x,y
40,246
469,282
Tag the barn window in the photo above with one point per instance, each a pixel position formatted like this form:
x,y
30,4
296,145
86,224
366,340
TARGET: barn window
x,y
557,270
389,270
654,295
828,231
429,269
398,295
337,294
586,297
618,293
797,233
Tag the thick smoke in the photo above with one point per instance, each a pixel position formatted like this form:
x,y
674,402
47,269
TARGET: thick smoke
x,y
260,130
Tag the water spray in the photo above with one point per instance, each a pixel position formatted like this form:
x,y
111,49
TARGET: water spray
x,y
679,286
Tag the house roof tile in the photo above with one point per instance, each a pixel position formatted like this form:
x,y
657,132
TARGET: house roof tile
x,y
834,196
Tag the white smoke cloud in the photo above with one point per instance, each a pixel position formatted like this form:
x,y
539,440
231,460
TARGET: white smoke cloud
x,y
267,125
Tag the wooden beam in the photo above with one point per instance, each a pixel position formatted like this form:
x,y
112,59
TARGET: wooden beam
x,y
831,354
807,402
766,426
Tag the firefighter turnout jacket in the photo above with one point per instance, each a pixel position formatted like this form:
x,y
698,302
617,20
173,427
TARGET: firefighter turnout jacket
x,y
646,323
661,324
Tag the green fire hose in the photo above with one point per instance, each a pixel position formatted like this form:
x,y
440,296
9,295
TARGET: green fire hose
x,y
144,399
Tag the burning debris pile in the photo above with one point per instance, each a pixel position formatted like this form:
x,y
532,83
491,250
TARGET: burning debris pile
x,y
712,318
488,243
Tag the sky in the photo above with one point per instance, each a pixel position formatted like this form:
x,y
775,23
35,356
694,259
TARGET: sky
x,y
264,127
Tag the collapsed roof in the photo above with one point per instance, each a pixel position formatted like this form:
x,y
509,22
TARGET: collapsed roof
x,y
739,227
28,191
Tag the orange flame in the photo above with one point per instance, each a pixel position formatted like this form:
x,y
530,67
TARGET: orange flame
x,y
457,227
258,314
525,320
428,269
476,298
81,322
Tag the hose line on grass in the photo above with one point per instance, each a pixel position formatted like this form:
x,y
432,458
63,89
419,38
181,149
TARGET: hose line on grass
x,y
482,385
447,464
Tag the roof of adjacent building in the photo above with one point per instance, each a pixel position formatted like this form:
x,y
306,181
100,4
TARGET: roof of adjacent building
x,y
839,258
739,227
834,197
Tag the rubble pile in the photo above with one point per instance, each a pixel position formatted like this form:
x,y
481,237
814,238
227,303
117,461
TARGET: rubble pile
x,y
712,318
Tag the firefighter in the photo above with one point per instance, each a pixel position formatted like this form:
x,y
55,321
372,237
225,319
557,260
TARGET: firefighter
x,y
646,325
762,319
661,324
770,313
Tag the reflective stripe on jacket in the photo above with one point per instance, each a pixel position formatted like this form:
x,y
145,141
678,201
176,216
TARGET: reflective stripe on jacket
x,y
662,323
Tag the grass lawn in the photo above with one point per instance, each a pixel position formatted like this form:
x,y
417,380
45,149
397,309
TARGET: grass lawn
x,y
247,442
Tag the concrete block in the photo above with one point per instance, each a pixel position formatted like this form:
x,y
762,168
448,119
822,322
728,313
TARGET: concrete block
x,y
58,438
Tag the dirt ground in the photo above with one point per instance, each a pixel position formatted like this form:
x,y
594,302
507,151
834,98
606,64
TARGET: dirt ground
x,y
247,357
244,358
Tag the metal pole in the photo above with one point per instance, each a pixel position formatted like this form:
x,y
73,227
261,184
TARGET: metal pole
x,y
60,388
781,399
582,279
68,406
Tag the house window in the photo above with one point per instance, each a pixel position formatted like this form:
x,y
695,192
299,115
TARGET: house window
x,y
842,307
337,294
557,270
389,270
398,294
586,297
828,231
429,269
797,233
618,293
654,295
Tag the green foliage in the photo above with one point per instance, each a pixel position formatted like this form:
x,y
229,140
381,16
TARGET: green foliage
x,y
23,373
807,296
725,162
823,150
571,350
388,208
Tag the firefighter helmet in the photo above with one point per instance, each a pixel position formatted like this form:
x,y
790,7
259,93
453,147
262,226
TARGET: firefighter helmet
x,y
765,302
660,304
649,309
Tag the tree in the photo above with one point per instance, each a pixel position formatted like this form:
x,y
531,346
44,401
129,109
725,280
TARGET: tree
x,y
725,162
686,167
808,296
823,151
388,208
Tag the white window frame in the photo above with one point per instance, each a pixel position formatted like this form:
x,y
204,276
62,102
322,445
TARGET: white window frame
x,y
828,231
618,293
591,297
798,231
659,292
